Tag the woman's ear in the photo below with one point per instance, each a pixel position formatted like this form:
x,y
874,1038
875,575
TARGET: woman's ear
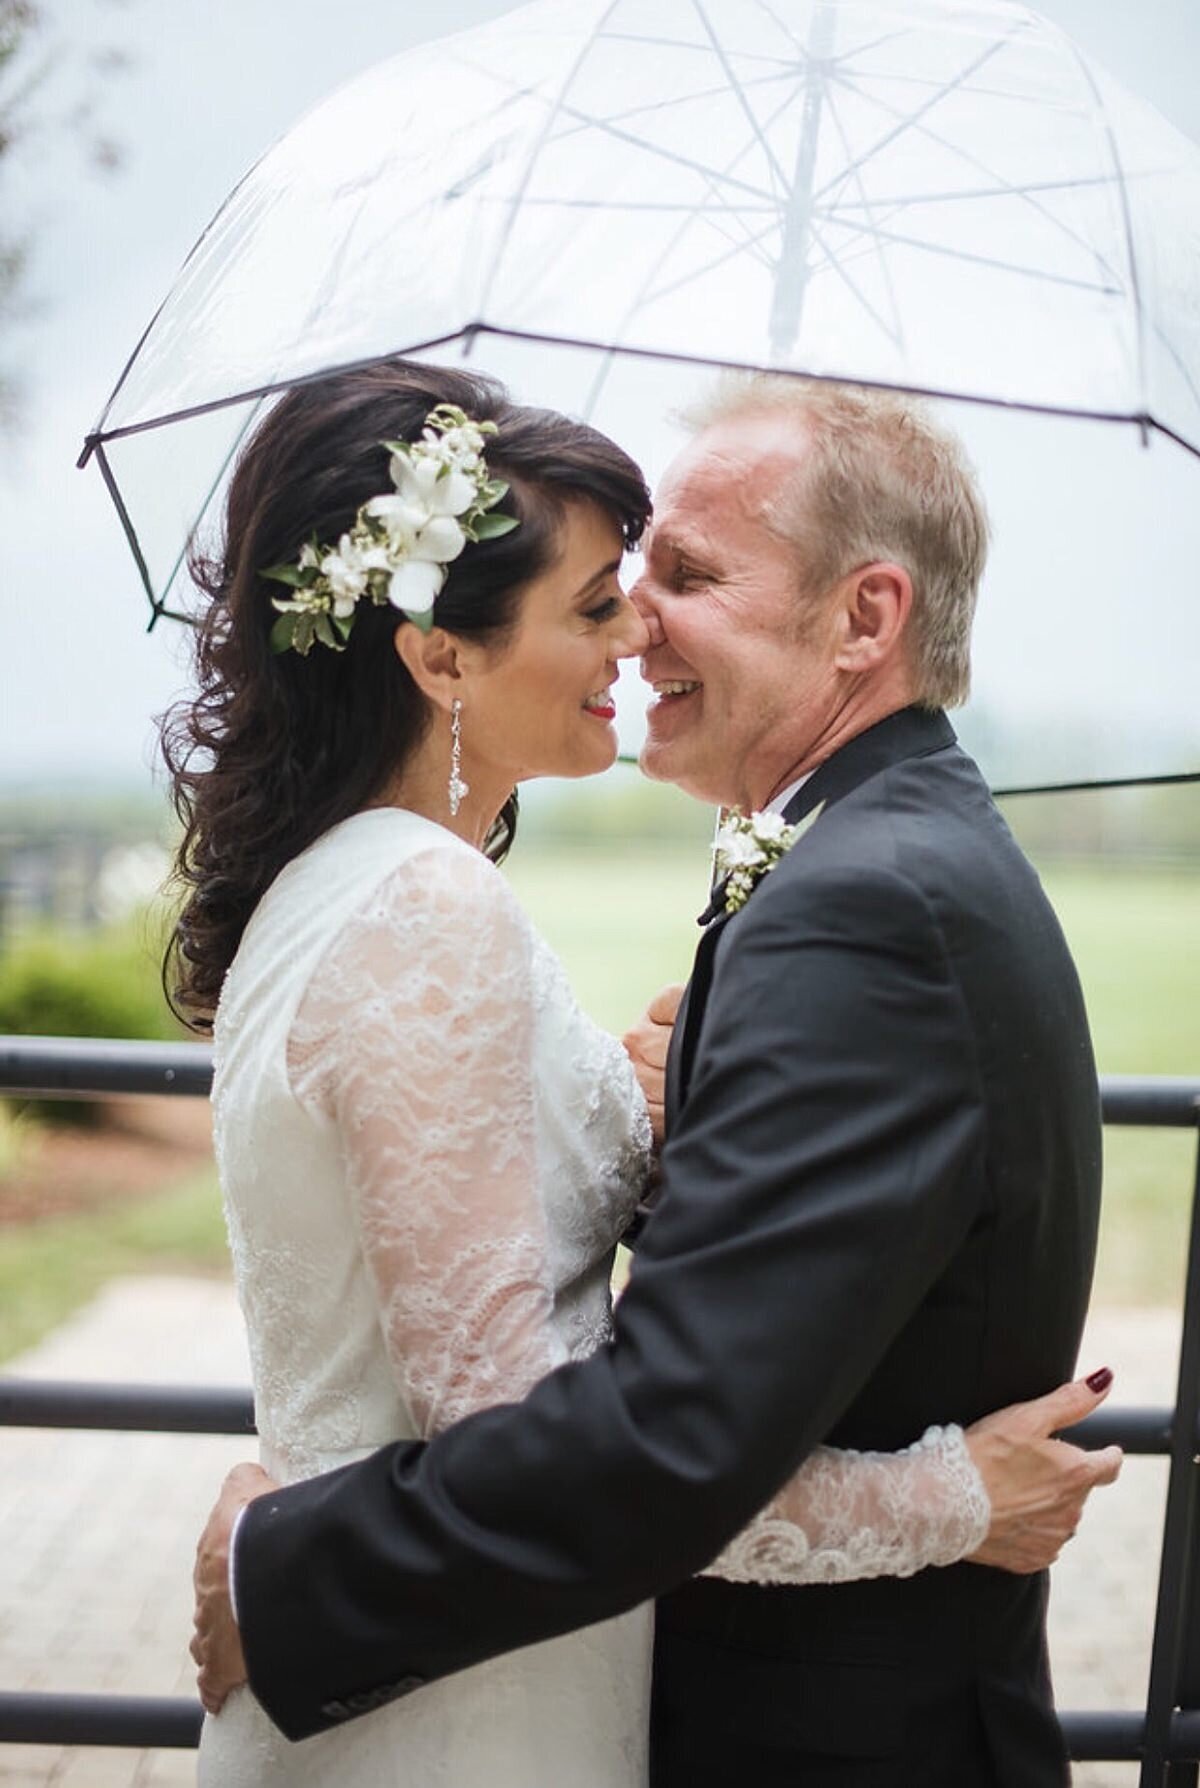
x,y
431,660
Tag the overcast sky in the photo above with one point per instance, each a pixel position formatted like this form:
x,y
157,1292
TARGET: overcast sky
x,y
199,88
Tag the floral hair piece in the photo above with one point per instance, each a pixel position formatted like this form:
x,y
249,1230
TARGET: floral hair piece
x,y
402,543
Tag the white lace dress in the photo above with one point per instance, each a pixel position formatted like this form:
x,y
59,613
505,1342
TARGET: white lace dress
x,y
428,1153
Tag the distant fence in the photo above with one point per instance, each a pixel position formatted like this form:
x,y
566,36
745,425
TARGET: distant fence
x,y
1164,1736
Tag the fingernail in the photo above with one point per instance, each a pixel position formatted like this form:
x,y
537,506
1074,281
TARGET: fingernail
x,y
1099,1381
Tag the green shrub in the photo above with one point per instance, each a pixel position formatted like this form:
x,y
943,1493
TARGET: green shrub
x,y
90,984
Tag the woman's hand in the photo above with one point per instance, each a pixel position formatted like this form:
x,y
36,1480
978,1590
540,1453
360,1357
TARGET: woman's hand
x,y
646,1043
1037,1486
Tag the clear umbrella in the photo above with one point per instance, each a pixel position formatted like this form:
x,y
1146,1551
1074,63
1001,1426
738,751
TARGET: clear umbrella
x,y
942,196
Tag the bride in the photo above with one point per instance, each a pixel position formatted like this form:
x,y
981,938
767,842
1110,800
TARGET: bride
x,y
428,1153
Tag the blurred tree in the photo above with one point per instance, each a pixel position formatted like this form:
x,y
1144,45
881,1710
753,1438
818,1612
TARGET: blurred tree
x,y
43,89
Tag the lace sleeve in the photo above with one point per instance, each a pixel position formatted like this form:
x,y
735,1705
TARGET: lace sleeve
x,y
848,1515
415,1037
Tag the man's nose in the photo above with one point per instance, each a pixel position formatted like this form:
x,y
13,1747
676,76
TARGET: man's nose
x,y
634,636
642,599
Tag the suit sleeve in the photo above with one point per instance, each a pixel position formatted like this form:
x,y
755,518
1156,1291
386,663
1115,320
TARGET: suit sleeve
x,y
816,1186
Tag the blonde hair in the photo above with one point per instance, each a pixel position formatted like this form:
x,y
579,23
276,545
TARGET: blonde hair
x,y
881,479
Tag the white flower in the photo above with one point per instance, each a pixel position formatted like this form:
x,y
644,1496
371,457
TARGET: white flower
x,y
769,826
746,849
415,585
346,573
400,516
441,538
308,556
737,849
420,482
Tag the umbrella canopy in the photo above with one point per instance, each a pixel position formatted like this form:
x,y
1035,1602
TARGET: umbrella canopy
x,y
940,195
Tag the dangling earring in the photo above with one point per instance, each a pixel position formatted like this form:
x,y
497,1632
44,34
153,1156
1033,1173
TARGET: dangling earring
x,y
457,788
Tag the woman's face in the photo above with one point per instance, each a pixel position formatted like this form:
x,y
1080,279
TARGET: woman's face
x,y
543,704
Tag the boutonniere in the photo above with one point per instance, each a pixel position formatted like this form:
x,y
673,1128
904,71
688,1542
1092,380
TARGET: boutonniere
x,y
748,846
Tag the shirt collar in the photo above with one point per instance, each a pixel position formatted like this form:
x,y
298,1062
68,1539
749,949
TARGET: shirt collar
x,y
778,802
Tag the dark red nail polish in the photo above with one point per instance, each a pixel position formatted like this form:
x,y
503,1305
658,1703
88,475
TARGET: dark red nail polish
x,y
1100,1381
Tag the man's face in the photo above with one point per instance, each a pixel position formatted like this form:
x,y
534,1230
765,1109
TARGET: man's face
x,y
742,695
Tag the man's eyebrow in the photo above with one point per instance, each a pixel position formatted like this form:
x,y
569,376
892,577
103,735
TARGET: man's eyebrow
x,y
598,577
694,551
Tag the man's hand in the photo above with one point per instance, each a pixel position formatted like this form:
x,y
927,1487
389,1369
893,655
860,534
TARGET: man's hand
x,y
1037,1485
217,1645
646,1044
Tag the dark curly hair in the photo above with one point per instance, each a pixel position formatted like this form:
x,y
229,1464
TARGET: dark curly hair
x,y
273,750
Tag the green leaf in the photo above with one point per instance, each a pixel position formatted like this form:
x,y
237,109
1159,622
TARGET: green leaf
x,y
422,622
304,634
289,574
491,527
283,633
343,624
326,635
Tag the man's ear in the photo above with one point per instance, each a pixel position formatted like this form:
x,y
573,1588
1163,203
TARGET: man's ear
x,y
876,604
432,660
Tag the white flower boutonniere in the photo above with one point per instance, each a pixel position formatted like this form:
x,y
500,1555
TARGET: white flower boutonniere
x,y
748,846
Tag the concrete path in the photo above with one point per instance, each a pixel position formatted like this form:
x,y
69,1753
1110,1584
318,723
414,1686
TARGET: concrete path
x,y
99,1530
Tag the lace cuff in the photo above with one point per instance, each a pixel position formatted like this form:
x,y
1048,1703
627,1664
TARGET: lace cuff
x,y
848,1515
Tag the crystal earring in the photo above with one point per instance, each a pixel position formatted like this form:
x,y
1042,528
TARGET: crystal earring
x,y
457,788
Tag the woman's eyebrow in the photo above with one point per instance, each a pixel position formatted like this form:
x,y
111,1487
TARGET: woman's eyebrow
x,y
598,577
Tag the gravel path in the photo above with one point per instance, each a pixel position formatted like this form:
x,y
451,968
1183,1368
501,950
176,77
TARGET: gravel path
x,y
100,1530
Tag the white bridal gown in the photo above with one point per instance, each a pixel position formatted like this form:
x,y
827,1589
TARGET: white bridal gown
x,y
428,1154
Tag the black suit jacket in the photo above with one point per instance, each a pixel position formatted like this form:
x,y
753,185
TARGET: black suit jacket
x,y
878,1211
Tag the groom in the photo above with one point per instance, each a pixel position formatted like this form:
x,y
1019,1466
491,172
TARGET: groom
x,y
879,1195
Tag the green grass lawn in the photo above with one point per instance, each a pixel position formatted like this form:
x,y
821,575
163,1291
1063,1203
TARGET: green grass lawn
x,y
623,921
48,1269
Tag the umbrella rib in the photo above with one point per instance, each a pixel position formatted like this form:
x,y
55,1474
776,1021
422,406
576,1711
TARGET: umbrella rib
x,y
787,31
665,105
1135,286
1025,192
655,149
655,295
913,121
678,43
897,331
1003,190
961,254
644,296
836,265
647,295
527,175
1013,190
131,535
718,209
743,102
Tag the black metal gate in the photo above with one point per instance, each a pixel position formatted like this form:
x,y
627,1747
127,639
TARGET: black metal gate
x,y
1164,1736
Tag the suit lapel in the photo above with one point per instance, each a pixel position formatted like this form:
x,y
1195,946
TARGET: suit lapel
x,y
690,1017
912,732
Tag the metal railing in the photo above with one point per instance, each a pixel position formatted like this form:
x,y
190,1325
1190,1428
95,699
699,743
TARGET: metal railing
x,y
1164,1736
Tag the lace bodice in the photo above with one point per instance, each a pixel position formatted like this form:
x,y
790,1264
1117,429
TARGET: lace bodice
x,y
429,1153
